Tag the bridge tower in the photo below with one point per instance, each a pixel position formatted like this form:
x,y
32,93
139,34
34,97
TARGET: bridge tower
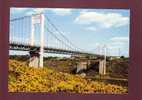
x,y
102,63
37,61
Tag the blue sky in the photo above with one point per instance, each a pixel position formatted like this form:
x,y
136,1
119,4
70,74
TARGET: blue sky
x,y
89,29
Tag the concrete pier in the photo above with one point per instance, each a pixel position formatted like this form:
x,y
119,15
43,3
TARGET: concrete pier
x,y
81,66
34,58
34,62
102,67
84,65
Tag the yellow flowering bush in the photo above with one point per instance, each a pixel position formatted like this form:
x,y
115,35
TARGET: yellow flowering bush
x,y
26,79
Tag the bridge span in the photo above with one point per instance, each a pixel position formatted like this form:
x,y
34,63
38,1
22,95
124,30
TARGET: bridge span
x,y
49,34
28,47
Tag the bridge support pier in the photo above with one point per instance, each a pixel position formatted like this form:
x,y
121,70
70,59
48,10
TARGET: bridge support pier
x,y
34,62
34,59
81,66
102,67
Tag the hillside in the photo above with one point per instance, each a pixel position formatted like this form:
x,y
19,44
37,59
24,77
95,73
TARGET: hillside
x,y
26,79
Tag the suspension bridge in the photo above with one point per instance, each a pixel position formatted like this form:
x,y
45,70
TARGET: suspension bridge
x,y
38,35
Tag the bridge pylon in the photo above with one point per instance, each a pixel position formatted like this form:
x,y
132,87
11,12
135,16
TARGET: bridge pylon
x,y
37,19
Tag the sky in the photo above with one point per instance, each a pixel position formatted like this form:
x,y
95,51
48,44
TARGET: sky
x,y
89,29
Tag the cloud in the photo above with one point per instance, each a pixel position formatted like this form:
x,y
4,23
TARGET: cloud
x,y
120,39
91,28
61,11
103,20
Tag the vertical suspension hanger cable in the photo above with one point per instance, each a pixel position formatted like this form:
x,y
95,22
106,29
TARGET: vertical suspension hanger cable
x,y
22,26
18,29
61,33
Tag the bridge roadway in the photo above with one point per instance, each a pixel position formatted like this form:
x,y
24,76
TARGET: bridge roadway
x,y
27,47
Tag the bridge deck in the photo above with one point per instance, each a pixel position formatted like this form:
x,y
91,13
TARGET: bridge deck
x,y
27,47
